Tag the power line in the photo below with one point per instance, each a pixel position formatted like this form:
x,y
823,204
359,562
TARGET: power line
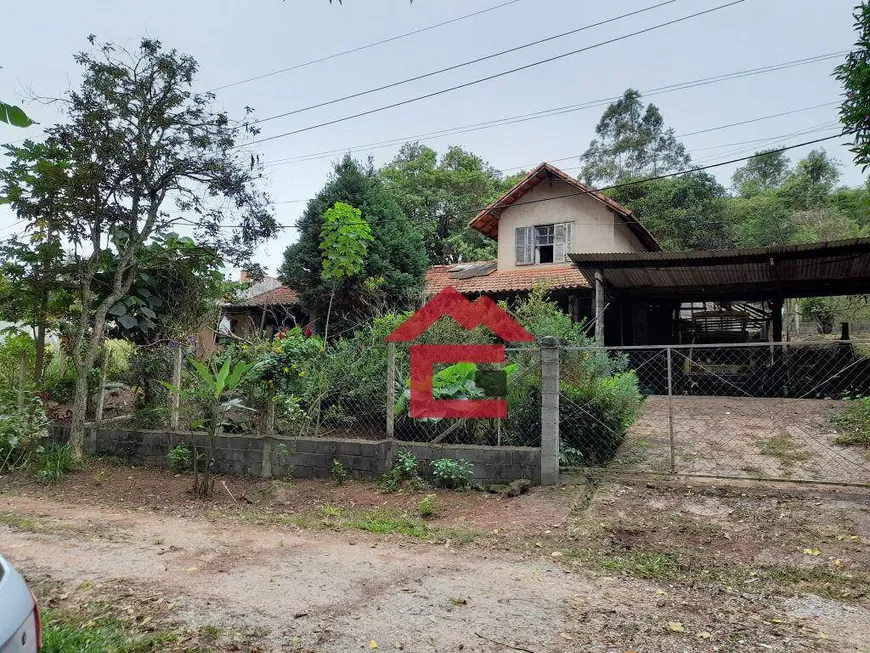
x,y
494,76
545,113
634,182
364,47
464,63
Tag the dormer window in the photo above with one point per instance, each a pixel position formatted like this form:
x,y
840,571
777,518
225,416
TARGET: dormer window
x,y
545,243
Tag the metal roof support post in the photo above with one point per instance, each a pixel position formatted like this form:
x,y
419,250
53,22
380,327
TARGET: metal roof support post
x,y
599,306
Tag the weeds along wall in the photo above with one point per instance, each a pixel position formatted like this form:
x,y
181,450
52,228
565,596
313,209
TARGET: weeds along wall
x,y
308,457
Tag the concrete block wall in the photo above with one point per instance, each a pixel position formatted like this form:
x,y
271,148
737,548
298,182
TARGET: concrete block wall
x,y
308,457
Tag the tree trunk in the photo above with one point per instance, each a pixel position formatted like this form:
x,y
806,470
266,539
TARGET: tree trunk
x,y
328,313
80,406
39,360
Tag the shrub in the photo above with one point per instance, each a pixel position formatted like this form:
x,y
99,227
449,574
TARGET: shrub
x,y
339,472
452,474
855,421
22,432
178,458
54,462
405,470
149,369
426,506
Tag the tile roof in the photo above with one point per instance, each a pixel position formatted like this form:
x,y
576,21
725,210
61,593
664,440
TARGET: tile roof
x,y
501,281
271,297
486,222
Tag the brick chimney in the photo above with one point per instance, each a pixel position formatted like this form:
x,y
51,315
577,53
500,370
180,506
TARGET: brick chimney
x,y
243,276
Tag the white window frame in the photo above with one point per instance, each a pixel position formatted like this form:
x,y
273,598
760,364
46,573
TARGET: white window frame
x,y
527,246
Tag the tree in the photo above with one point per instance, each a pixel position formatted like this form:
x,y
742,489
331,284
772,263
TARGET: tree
x,y
685,212
760,220
176,292
33,184
854,74
811,183
632,141
137,138
344,240
765,171
441,196
395,263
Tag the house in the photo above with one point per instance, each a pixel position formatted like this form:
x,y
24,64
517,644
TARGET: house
x,y
538,223
265,307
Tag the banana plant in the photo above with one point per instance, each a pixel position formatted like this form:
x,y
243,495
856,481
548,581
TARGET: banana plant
x,y
212,391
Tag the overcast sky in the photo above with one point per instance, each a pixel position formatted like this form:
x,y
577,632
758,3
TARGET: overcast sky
x,y
234,40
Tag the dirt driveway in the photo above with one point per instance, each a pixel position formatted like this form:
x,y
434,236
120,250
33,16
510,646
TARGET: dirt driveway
x,y
621,568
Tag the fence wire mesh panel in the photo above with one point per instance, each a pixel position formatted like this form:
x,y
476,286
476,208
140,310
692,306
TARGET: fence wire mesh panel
x,y
518,381
759,411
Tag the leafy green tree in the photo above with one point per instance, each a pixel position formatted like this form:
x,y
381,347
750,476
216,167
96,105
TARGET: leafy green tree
x,y
765,171
685,212
812,182
395,263
760,220
854,74
344,240
854,203
441,196
632,141
36,290
176,292
136,139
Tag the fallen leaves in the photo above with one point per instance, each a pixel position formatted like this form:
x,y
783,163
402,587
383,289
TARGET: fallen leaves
x,y
812,552
676,626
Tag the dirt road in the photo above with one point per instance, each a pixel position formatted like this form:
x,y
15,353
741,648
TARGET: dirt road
x,y
326,592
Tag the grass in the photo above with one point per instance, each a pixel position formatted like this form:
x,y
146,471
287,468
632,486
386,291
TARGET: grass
x,y
18,522
855,420
784,448
64,633
382,521
668,567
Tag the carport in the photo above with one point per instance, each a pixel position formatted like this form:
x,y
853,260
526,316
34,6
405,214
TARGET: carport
x,y
641,297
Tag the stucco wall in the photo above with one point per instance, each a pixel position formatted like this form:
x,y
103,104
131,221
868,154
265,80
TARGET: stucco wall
x,y
596,228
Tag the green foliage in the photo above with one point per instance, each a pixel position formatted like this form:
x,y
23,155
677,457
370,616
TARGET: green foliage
x,y
764,172
452,474
339,472
395,263
22,432
855,422
148,368
405,470
632,141
175,293
854,74
212,390
439,196
344,240
761,220
54,462
427,507
14,115
178,459
685,212
96,633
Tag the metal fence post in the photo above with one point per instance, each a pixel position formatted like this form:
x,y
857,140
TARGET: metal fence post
x,y
175,398
391,389
671,411
549,410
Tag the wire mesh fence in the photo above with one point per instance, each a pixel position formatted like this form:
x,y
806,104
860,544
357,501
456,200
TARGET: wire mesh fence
x,y
517,381
753,410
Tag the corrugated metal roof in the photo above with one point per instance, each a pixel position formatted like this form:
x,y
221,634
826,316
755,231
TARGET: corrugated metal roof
x,y
813,269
